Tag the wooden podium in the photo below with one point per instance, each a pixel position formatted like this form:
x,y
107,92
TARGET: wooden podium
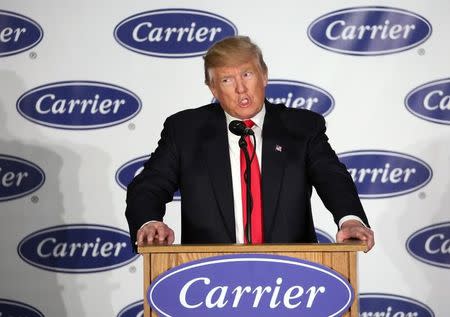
x,y
339,257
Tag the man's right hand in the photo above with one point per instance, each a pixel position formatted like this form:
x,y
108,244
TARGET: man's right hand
x,y
155,232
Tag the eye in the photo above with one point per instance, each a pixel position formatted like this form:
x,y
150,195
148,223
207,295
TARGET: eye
x,y
248,74
226,80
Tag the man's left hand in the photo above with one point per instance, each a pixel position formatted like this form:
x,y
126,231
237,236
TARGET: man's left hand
x,y
353,229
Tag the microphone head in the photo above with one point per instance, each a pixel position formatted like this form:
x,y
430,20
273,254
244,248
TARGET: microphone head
x,y
239,128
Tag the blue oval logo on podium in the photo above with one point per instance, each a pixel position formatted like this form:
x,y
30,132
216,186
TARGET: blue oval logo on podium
x,y
173,33
431,101
77,248
14,308
381,174
431,245
79,105
369,30
377,304
18,33
18,177
135,309
129,170
296,94
250,285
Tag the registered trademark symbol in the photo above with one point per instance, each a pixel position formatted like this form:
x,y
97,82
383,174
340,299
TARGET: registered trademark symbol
x,y
131,126
422,195
33,55
421,51
34,199
132,269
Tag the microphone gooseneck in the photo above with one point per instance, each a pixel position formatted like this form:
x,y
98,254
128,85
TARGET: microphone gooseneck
x,y
247,179
240,129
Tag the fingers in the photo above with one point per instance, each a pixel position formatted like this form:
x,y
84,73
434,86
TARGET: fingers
x,y
155,232
370,240
356,231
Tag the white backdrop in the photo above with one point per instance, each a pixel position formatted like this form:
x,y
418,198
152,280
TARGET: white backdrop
x,y
80,165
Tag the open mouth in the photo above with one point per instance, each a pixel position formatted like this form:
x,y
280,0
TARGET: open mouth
x,y
244,101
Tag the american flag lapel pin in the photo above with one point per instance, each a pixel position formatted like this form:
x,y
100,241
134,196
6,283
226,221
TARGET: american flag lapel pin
x,y
278,148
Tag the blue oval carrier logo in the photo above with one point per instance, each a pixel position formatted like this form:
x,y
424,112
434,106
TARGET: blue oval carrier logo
x,y
381,174
173,33
240,285
18,33
376,304
431,245
323,236
369,30
18,177
79,105
77,248
13,308
135,309
295,94
129,170
431,101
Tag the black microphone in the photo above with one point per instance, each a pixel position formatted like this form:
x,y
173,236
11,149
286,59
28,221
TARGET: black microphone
x,y
239,128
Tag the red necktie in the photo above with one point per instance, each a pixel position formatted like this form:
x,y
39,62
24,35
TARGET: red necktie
x,y
257,218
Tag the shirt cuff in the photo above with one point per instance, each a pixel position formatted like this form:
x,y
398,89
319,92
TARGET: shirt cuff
x,y
350,217
157,221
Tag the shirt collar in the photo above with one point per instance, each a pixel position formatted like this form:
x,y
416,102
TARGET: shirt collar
x,y
258,119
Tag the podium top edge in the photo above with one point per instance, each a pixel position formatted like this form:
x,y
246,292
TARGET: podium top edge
x,y
348,246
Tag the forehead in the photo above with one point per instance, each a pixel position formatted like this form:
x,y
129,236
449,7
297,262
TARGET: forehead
x,y
250,65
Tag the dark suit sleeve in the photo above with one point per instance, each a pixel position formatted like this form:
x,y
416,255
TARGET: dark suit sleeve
x,y
149,191
330,177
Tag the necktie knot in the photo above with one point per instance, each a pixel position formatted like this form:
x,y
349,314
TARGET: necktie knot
x,y
249,123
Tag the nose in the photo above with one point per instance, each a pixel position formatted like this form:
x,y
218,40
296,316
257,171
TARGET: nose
x,y
240,86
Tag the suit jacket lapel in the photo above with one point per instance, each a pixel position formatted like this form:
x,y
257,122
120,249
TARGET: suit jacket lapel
x,y
273,164
219,168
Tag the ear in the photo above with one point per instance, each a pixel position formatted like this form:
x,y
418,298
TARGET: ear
x,y
266,79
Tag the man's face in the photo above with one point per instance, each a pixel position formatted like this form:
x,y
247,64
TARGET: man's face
x,y
240,89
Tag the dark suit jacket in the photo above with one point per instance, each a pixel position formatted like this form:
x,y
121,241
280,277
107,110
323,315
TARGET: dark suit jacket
x,y
193,155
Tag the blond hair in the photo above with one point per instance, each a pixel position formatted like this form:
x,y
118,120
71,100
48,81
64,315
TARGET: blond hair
x,y
232,51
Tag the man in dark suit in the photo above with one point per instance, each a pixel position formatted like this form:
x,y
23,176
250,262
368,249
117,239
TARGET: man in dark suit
x,y
198,155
